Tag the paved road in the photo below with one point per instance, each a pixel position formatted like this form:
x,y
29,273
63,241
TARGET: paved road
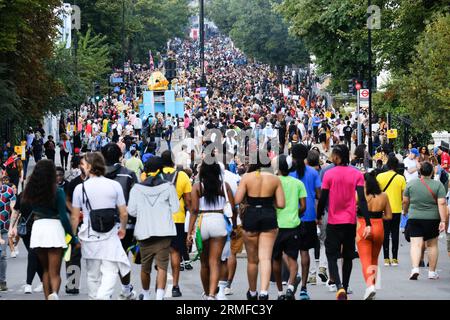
x,y
394,281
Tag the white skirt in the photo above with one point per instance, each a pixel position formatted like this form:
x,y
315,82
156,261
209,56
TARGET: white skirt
x,y
48,233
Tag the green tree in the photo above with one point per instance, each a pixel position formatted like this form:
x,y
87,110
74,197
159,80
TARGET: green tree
x,y
425,91
148,25
259,31
76,83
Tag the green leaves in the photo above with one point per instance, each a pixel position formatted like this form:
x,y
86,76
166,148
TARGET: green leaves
x,y
425,91
258,30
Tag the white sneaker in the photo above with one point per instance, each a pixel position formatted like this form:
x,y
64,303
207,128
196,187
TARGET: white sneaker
x,y
221,297
27,289
16,249
53,296
39,288
332,287
370,293
131,295
13,254
228,291
433,275
414,274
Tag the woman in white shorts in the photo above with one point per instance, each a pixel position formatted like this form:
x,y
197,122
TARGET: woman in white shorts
x,y
208,202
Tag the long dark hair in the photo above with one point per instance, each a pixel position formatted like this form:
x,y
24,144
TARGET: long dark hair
x,y
300,153
41,186
372,186
211,182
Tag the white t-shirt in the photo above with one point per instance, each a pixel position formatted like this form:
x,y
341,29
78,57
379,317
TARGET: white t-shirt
x,y
341,129
410,164
233,181
102,192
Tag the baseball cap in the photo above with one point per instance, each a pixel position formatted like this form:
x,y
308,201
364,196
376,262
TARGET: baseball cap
x,y
414,151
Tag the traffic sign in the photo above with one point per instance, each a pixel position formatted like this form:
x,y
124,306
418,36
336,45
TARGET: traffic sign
x,y
392,134
357,86
364,93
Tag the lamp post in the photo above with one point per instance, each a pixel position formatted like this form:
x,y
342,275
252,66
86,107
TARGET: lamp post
x,y
369,44
202,48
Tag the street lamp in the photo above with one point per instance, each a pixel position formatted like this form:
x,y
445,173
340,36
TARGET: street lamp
x,y
369,43
202,48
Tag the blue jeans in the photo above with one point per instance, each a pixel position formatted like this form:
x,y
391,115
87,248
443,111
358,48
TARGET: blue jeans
x,y
3,258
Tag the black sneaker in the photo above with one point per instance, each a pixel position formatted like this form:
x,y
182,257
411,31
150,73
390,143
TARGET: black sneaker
x,y
263,297
176,293
290,295
188,266
73,291
250,297
282,297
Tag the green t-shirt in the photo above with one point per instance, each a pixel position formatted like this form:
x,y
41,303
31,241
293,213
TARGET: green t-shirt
x,y
294,189
422,204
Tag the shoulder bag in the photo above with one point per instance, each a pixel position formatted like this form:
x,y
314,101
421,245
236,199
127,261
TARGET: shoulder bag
x,y
101,220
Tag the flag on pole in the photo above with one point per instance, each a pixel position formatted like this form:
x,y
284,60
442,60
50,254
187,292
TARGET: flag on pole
x,y
152,63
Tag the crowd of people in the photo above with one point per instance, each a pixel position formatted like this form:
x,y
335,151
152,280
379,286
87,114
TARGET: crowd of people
x,y
262,161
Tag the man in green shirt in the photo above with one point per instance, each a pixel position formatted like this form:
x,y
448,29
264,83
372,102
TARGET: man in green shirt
x,y
134,163
288,238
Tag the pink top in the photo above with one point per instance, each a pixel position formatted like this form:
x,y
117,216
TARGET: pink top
x,y
342,182
187,121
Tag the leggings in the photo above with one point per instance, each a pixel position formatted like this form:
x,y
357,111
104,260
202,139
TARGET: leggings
x,y
64,158
391,227
33,264
369,249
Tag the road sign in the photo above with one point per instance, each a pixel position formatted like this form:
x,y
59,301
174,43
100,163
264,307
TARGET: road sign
x,y
364,98
357,86
364,93
392,134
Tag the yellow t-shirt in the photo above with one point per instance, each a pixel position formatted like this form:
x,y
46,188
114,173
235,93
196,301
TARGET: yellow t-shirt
x,y
395,190
105,126
183,186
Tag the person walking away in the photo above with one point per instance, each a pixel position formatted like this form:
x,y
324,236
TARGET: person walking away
x,y
51,223
178,246
134,164
338,186
24,211
208,201
101,248
308,228
65,149
348,130
424,199
288,218
50,148
393,184
369,249
153,202
8,202
138,125
37,147
264,192
127,178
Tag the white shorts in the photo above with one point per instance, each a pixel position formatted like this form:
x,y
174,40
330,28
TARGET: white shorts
x,y
213,225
